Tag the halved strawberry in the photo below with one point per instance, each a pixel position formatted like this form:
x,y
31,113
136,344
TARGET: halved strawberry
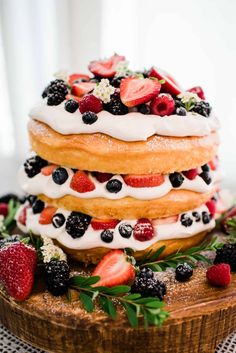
x,y
47,214
82,88
165,220
76,77
199,91
114,269
80,182
105,68
49,169
191,173
22,215
144,180
213,163
169,86
135,91
102,177
98,224
211,205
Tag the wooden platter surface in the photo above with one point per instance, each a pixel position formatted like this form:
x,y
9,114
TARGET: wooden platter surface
x,y
200,317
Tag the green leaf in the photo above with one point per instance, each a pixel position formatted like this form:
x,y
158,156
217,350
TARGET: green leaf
x,y
107,306
86,302
132,296
115,290
131,314
84,281
157,254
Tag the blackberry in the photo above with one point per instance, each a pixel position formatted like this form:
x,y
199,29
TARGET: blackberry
x,y
146,273
197,216
60,175
89,118
107,236
114,185
7,197
55,99
45,92
37,206
206,177
176,179
205,168
144,109
71,106
227,255
202,108
34,165
57,275
115,106
58,220
125,230
206,217
183,272
181,111
55,92
148,287
115,82
77,223
185,220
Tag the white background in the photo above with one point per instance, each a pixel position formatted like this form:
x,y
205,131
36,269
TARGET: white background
x,y
192,39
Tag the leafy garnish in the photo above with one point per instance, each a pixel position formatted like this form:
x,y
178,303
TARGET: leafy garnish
x,y
192,255
150,309
9,221
231,230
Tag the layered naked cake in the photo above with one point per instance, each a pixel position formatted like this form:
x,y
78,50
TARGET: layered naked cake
x,y
121,159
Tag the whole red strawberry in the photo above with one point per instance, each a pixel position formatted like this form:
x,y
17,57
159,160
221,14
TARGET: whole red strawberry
x,y
17,267
219,275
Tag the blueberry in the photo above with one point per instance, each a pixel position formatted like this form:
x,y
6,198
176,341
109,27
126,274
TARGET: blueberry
x,y
114,185
37,206
71,106
77,224
115,82
89,118
206,177
58,220
125,230
185,220
206,217
205,168
107,236
144,109
181,111
197,216
60,176
176,179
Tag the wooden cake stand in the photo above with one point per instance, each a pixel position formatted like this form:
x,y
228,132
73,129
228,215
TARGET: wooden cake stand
x,y
200,317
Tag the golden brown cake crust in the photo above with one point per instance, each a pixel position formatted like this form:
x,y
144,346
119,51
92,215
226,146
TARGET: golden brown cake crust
x,y
172,245
99,152
175,202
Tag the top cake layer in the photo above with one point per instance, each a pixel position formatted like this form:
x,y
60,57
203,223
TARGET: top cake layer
x,y
124,104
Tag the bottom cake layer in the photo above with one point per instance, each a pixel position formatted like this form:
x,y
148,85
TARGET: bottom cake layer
x,y
87,239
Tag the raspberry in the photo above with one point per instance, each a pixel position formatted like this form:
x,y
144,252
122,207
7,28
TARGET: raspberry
x,y
102,177
90,103
191,173
219,275
143,230
162,105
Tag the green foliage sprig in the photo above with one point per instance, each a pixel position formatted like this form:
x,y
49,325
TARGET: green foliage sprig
x,y
9,221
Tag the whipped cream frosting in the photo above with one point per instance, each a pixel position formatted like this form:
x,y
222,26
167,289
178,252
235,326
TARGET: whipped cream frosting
x,y
41,184
133,126
92,238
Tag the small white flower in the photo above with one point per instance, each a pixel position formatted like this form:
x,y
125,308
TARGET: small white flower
x,y
104,90
62,75
122,68
187,96
51,251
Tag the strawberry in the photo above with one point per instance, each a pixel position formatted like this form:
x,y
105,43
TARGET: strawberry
x,y
162,105
105,68
49,169
213,163
98,224
114,269
102,177
165,220
3,209
143,180
168,86
22,215
143,230
82,88
199,91
90,103
81,182
211,205
77,77
219,275
17,267
191,173
135,91
47,214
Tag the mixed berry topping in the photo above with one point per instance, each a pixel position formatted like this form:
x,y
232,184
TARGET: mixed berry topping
x,y
147,285
143,230
90,103
115,106
34,165
183,272
162,105
77,223
81,183
55,92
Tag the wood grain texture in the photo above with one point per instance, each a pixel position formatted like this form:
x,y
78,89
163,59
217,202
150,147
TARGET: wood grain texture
x,y
201,317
